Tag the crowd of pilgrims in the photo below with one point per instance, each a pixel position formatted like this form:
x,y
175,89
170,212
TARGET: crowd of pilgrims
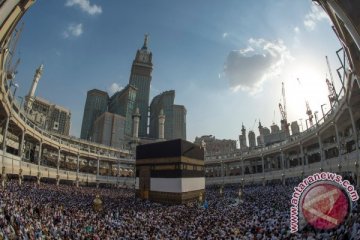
x,y
47,211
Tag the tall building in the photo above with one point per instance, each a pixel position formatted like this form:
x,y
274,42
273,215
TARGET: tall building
x,y
216,146
295,129
109,129
274,128
260,138
165,102
266,131
95,105
140,78
49,116
252,140
175,116
242,138
179,122
123,103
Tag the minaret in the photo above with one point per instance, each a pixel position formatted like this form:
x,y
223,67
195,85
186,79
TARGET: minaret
x,y
136,120
37,76
161,124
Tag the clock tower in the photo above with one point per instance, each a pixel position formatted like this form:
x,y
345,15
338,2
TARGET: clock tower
x,y
140,77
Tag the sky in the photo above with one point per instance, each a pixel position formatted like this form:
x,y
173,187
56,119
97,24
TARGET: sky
x,y
226,60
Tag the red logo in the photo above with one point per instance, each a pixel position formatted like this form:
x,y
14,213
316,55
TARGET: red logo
x,y
325,206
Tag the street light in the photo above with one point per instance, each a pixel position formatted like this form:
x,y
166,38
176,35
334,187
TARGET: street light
x,y
240,193
16,87
221,190
301,124
316,118
322,110
22,100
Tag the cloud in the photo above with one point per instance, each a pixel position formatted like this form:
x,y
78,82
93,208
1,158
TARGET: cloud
x,y
315,15
114,87
225,34
73,30
247,69
85,6
296,29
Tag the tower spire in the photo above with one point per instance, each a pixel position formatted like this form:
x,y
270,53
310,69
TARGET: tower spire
x,y
146,39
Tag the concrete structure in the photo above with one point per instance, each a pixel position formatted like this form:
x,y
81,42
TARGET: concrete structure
x,y
242,138
344,14
179,122
51,117
11,11
260,138
109,130
170,171
175,124
140,78
30,98
165,102
331,145
274,128
252,143
266,131
275,137
215,146
28,150
123,103
295,129
95,105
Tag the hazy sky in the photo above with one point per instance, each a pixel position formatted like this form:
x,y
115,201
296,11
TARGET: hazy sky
x,y
225,59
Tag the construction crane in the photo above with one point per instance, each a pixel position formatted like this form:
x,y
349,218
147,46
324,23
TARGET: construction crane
x,y
309,113
252,129
284,123
333,98
11,70
308,109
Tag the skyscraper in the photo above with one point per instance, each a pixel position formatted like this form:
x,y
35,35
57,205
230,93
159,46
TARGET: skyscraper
x,y
252,140
165,102
242,138
123,103
175,116
140,78
96,104
109,129
179,122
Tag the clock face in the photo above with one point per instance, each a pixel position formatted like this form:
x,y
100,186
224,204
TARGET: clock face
x,y
143,57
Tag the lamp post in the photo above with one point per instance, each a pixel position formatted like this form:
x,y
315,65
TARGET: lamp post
x,y
316,118
21,103
221,190
201,199
240,193
301,124
16,87
322,110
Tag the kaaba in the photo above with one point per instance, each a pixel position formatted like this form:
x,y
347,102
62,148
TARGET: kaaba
x,y
170,171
